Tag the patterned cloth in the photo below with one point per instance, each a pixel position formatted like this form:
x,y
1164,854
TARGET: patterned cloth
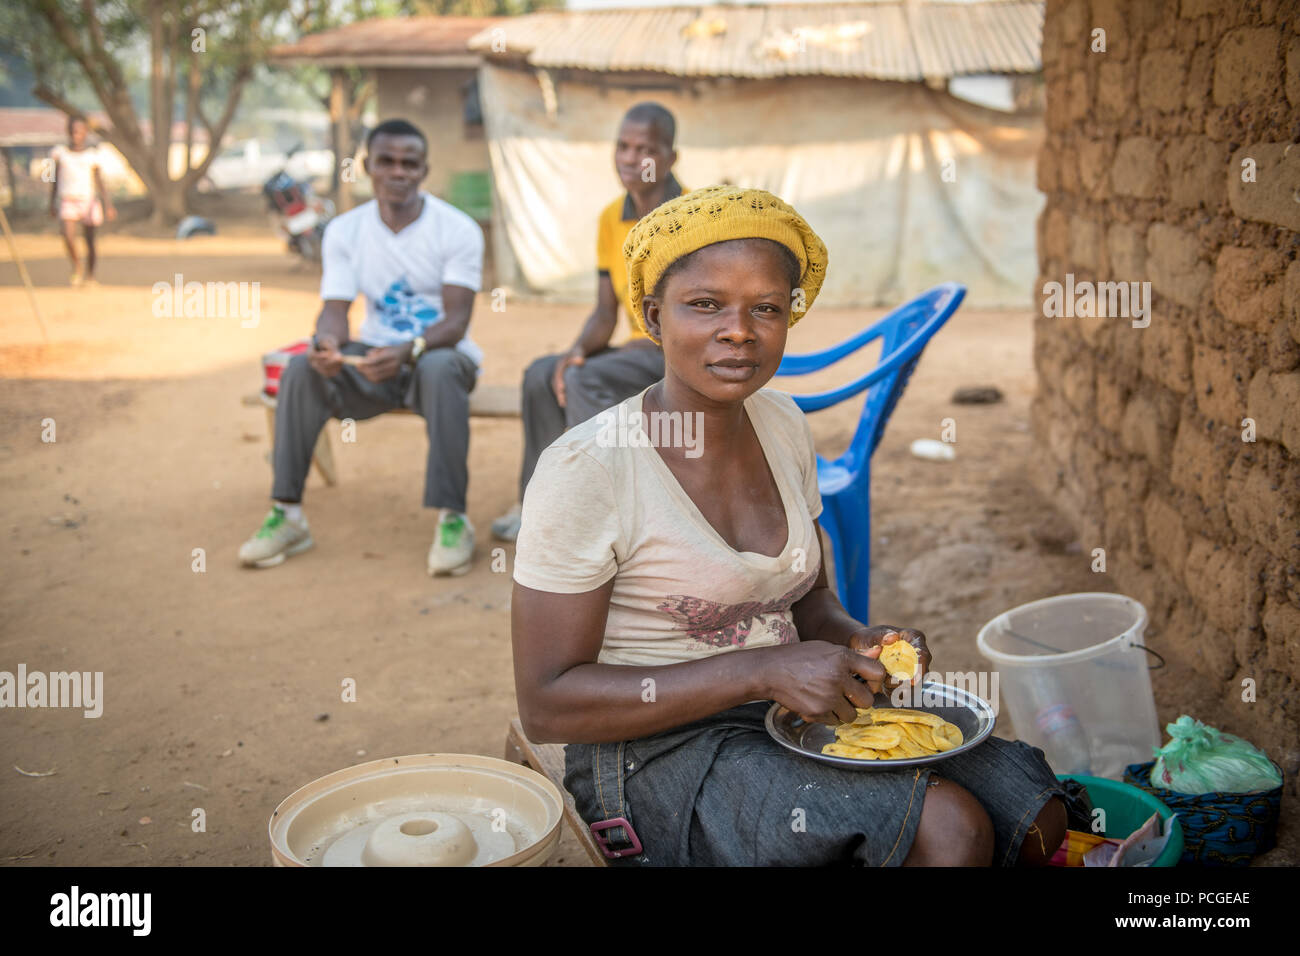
x,y
1219,829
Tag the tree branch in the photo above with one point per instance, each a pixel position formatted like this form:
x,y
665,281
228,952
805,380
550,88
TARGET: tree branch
x,y
217,133
116,101
360,96
97,47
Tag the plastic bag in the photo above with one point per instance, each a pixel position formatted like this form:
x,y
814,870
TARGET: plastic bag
x,y
1201,759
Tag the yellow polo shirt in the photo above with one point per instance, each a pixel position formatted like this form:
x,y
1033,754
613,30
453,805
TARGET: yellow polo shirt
x,y
616,221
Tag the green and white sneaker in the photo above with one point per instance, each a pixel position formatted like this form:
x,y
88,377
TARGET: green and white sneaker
x,y
506,528
452,551
278,538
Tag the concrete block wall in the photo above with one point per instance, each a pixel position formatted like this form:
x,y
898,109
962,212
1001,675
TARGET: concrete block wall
x,y
1168,161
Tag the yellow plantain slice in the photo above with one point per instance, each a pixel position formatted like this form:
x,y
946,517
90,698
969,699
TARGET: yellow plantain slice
x,y
899,659
910,748
919,734
893,733
878,738
893,715
947,736
845,750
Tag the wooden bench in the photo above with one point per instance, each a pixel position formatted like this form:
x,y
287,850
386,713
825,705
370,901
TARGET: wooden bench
x,y
548,759
486,401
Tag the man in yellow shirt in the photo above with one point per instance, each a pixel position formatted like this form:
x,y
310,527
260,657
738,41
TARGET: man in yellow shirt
x,y
560,391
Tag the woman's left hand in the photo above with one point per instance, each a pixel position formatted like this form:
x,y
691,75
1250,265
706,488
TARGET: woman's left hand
x,y
880,635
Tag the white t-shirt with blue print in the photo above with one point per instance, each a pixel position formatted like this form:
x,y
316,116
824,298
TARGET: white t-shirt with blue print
x,y
402,274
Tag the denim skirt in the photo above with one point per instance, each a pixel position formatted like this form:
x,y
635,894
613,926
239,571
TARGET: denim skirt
x,y
721,792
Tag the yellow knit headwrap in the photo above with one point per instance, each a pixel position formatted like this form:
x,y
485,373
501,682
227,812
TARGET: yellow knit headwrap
x,y
715,214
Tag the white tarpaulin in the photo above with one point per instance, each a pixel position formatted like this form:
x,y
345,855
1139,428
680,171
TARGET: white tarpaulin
x,y
907,186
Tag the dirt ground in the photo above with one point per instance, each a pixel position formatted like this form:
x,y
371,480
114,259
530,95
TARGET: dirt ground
x,y
222,688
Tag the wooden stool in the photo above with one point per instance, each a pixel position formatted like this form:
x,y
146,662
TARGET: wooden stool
x,y
548,759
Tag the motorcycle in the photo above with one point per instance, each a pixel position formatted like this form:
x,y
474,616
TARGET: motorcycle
x,y
300,214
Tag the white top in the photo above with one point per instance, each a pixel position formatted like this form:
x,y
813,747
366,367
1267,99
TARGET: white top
x,y
596,509
402,274
76,171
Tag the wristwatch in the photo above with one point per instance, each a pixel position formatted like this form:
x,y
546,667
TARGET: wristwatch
x,y
418,345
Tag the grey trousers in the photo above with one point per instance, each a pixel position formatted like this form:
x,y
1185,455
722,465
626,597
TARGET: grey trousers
x,y
438,389
605,379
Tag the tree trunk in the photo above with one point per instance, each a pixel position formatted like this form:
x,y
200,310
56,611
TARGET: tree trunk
x,y
9,177
169,203
161,107
191,107
340,140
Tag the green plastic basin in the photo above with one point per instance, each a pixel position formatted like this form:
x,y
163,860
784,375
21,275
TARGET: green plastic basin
x,y
1127,808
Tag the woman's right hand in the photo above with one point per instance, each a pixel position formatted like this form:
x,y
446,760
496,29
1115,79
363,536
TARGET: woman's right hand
x,y
818,679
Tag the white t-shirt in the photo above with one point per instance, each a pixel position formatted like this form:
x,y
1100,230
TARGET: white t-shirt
x,y
592,512
76,171
402,274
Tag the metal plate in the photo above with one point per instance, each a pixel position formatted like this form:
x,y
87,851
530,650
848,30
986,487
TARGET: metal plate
x,y
972,715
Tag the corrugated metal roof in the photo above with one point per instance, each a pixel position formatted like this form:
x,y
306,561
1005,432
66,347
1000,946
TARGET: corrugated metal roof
x,y
891,40
398,41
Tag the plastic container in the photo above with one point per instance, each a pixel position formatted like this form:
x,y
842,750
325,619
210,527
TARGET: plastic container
x,y
421,810
1073,674
1127,808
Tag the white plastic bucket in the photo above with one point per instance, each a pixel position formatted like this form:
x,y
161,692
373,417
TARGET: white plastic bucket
x,y
1076,662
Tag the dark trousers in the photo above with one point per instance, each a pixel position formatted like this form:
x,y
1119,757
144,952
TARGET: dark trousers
x,y
438,389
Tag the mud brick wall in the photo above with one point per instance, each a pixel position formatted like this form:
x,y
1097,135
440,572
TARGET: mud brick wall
x,y
1140,430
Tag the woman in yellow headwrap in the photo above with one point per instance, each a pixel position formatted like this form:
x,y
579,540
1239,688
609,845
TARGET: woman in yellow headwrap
x,y
669,585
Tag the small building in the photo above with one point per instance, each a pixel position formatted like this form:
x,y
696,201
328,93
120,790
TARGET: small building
x,y
842,109
423,72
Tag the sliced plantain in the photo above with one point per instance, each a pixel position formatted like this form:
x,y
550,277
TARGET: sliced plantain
x,y
847,750
919,734
900,659
893,715
947,736
878,738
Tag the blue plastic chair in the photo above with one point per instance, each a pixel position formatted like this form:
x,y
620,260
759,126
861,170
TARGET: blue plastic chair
x,y
845,483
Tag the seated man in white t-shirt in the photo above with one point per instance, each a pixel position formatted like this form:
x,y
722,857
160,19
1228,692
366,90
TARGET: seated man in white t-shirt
x,y
418,261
